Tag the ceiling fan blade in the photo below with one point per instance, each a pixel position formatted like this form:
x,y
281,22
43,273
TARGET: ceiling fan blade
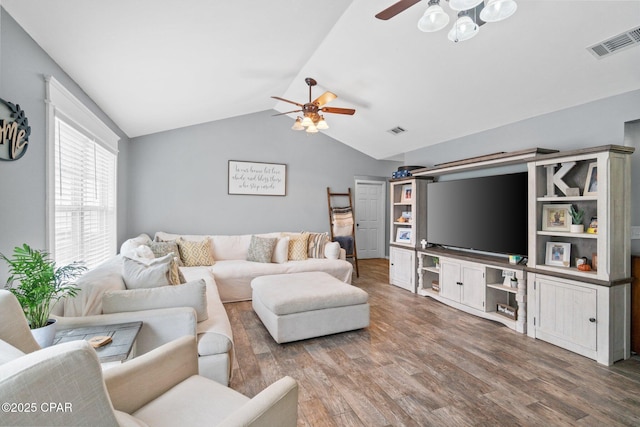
x,y
325,98
335,110
288,112
395,9
286,100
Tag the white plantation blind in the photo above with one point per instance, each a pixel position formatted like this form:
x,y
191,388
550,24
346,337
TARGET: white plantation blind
x,y
82,180
85,198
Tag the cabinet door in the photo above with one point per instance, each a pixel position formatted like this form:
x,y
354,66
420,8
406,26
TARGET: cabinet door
x,y
473,287
566,316
402,270
450,280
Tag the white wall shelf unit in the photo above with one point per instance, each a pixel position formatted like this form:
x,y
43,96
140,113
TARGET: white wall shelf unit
x,y
587,312
408,227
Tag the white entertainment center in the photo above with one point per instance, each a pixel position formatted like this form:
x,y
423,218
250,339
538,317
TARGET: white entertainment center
x,y
583,310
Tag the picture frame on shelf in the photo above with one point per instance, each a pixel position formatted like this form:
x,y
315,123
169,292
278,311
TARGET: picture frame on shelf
x,y
403,235
556,217
407,193
591,184
558,254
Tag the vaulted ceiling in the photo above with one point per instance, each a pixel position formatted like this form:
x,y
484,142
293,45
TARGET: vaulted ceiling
x,y
154,65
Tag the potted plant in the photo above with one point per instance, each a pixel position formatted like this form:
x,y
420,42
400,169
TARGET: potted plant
x,y
38,284
436,262
576,220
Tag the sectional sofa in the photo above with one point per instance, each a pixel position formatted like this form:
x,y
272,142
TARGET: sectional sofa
x,y
228,264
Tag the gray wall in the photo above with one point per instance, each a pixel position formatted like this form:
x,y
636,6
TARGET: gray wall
x,y
597,123
179,177
23,65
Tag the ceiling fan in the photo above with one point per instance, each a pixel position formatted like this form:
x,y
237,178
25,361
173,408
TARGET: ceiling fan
x,y
396,8
313,120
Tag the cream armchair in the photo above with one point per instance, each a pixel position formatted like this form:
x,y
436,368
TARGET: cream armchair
x,y
158,326
64,385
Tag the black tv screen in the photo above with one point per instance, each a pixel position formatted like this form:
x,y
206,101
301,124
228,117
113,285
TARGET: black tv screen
x,y
487,214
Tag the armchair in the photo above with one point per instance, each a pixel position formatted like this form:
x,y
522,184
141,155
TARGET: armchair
x,y
64,385
159,326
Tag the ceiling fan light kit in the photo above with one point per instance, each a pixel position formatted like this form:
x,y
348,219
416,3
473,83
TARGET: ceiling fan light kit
x,y
434,18
312,120
472,14
497,10
460,5
464,28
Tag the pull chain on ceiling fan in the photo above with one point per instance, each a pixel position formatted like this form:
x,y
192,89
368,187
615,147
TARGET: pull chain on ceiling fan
x,y
312,120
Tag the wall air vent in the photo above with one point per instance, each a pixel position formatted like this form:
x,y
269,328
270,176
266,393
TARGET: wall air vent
x,y
616,44
397,130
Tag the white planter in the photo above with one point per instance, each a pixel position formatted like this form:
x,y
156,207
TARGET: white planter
x,y
577,228
44,336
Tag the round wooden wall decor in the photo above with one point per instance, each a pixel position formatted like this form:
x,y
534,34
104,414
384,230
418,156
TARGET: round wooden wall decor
x,y
14,131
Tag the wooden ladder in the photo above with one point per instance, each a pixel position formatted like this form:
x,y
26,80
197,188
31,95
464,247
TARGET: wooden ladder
x,y
353,229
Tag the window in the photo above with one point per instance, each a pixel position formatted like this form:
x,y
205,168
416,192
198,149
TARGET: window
x,y
82,160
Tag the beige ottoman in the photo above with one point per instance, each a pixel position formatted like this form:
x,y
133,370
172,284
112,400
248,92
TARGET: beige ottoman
x,y
298,306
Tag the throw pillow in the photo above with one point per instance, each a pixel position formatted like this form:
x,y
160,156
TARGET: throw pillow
x,y
298,246
130,244
192,294
332,250
194,254
161,249
281,251
316,244
175,275
142,273
261,249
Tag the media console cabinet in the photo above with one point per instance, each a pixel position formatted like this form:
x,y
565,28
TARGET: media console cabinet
x,y
584,311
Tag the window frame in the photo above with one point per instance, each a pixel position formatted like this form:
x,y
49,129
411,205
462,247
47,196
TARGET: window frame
x,y
63,104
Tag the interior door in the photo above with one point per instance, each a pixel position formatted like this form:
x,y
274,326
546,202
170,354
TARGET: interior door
x,y
370,221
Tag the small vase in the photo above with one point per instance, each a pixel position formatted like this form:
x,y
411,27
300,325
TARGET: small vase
x,y
577,228
44,336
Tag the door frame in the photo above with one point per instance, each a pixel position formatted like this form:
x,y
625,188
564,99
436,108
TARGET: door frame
x,y
382,251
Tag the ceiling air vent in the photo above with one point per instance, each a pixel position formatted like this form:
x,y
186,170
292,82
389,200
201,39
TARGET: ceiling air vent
x,y
397,130
616,44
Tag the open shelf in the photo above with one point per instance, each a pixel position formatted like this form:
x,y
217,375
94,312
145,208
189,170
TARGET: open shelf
x,y
502,287
563,199
567,234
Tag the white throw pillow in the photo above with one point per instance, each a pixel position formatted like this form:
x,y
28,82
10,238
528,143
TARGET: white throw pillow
x,y
281,251
140,273
332,250
128,247
191,294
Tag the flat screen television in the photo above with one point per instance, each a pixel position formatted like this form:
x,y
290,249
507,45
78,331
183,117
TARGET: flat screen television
x,y
487,214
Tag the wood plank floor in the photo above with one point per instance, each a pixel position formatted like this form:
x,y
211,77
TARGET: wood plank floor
x,y
421,363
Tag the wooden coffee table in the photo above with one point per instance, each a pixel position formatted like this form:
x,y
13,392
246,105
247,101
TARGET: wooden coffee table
x,y
123,337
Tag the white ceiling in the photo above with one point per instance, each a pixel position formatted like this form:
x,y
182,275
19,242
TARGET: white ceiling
x,y
154,65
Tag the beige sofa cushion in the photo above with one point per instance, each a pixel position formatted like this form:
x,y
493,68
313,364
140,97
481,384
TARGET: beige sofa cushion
x,y
168,409
231,247
192,294
93,284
